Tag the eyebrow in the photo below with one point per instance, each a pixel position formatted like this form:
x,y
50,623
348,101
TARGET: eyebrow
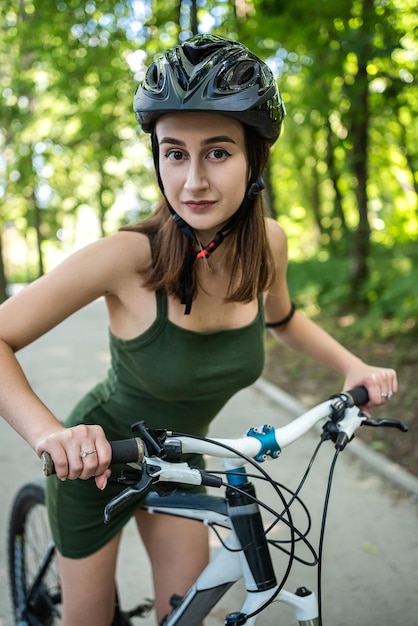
x,y
205,142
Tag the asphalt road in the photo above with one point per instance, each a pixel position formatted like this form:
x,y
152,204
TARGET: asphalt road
x,y
371,545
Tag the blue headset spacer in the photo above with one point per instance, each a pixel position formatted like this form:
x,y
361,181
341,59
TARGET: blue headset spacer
x,y
267,438
236,477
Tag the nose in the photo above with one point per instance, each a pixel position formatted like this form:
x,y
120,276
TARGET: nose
x,y
196,179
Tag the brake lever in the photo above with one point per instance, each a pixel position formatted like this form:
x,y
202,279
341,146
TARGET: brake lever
x,y
142,486
386,423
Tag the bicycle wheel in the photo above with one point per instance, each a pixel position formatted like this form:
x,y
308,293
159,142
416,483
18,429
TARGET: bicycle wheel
x,y
33,574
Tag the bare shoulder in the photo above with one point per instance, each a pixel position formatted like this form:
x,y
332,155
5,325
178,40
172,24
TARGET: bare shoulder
x,y
110,264
129,249
277,238
277,299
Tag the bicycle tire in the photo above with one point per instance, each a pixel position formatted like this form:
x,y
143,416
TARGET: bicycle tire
x,y
33,573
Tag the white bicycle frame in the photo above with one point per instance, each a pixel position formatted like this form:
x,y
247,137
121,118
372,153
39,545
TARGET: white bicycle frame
x,y
225,568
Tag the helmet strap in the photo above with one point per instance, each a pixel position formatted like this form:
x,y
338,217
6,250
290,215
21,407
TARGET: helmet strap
x,y
204,252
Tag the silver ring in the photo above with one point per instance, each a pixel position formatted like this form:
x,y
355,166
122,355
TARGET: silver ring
x,y
387,396
84,453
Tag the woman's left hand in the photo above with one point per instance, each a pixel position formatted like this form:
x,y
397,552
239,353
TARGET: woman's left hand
x,y
381,382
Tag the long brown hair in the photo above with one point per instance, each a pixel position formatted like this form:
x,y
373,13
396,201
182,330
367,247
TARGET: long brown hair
x,y
253,267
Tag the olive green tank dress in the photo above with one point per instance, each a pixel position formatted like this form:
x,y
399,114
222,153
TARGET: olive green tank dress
x,y
169,377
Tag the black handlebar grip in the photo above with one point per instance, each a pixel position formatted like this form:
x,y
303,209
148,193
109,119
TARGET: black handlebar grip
x,y
127,451
359,395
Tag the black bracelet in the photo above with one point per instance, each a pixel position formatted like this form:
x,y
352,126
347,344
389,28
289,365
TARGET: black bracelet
x,y
285,320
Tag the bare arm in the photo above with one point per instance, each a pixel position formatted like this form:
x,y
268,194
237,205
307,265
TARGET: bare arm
x,y
93,272
307,338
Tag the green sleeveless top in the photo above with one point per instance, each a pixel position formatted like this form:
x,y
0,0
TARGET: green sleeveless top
x,y
175,378
169,377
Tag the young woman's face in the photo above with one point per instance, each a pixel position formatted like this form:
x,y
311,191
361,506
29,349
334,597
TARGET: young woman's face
x,y
203,166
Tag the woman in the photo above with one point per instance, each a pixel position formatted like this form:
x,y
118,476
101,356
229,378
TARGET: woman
x,y
187,293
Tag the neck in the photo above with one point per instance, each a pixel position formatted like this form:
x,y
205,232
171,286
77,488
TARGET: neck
x,y
219,261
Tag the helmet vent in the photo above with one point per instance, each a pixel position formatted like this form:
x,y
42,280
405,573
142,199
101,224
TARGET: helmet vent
x,y
241,75
197,51
154,78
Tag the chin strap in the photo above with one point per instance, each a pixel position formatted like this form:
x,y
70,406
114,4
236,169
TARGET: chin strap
x,y
204,251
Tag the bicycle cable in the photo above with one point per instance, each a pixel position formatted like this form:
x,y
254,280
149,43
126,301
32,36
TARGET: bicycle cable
x,y
301,536
275,543
291,527
295,496
322,534
293,530
262,505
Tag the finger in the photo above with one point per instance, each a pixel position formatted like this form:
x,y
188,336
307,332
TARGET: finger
x,y
374,389
82,450
101,481
55,448
390,386
89,459
385,382
104,455
393,381
60,461
96,457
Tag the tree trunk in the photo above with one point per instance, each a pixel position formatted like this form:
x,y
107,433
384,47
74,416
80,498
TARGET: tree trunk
x,y
194,23
360,135
37,222
333,174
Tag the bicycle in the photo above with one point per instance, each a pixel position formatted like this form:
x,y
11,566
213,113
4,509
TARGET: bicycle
x,y
156,468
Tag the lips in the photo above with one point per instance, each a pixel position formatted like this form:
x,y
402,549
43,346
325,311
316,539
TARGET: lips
x,y
199,207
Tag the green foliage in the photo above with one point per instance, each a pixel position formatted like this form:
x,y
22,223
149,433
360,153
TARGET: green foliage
x,y
320,286
66,116
343,175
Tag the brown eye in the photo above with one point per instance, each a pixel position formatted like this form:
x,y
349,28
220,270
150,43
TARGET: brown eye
x,y
174,155
218,153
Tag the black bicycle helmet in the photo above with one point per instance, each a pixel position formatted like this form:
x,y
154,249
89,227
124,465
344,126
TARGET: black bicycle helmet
x,y
212,74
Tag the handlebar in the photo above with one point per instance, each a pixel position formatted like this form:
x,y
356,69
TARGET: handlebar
x,y
359,395
127,451
260,443
156,454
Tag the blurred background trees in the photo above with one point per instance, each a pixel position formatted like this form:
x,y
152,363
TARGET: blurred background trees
x,y
343,176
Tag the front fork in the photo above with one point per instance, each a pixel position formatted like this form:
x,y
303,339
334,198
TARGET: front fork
x,y
256,560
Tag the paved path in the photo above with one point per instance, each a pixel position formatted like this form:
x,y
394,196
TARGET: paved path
x,y
371,549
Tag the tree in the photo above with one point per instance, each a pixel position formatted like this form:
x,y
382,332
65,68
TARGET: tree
x,y
343,174
339,75
64,95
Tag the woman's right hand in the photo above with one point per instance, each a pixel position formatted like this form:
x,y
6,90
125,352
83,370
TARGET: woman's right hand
x,y
79,452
